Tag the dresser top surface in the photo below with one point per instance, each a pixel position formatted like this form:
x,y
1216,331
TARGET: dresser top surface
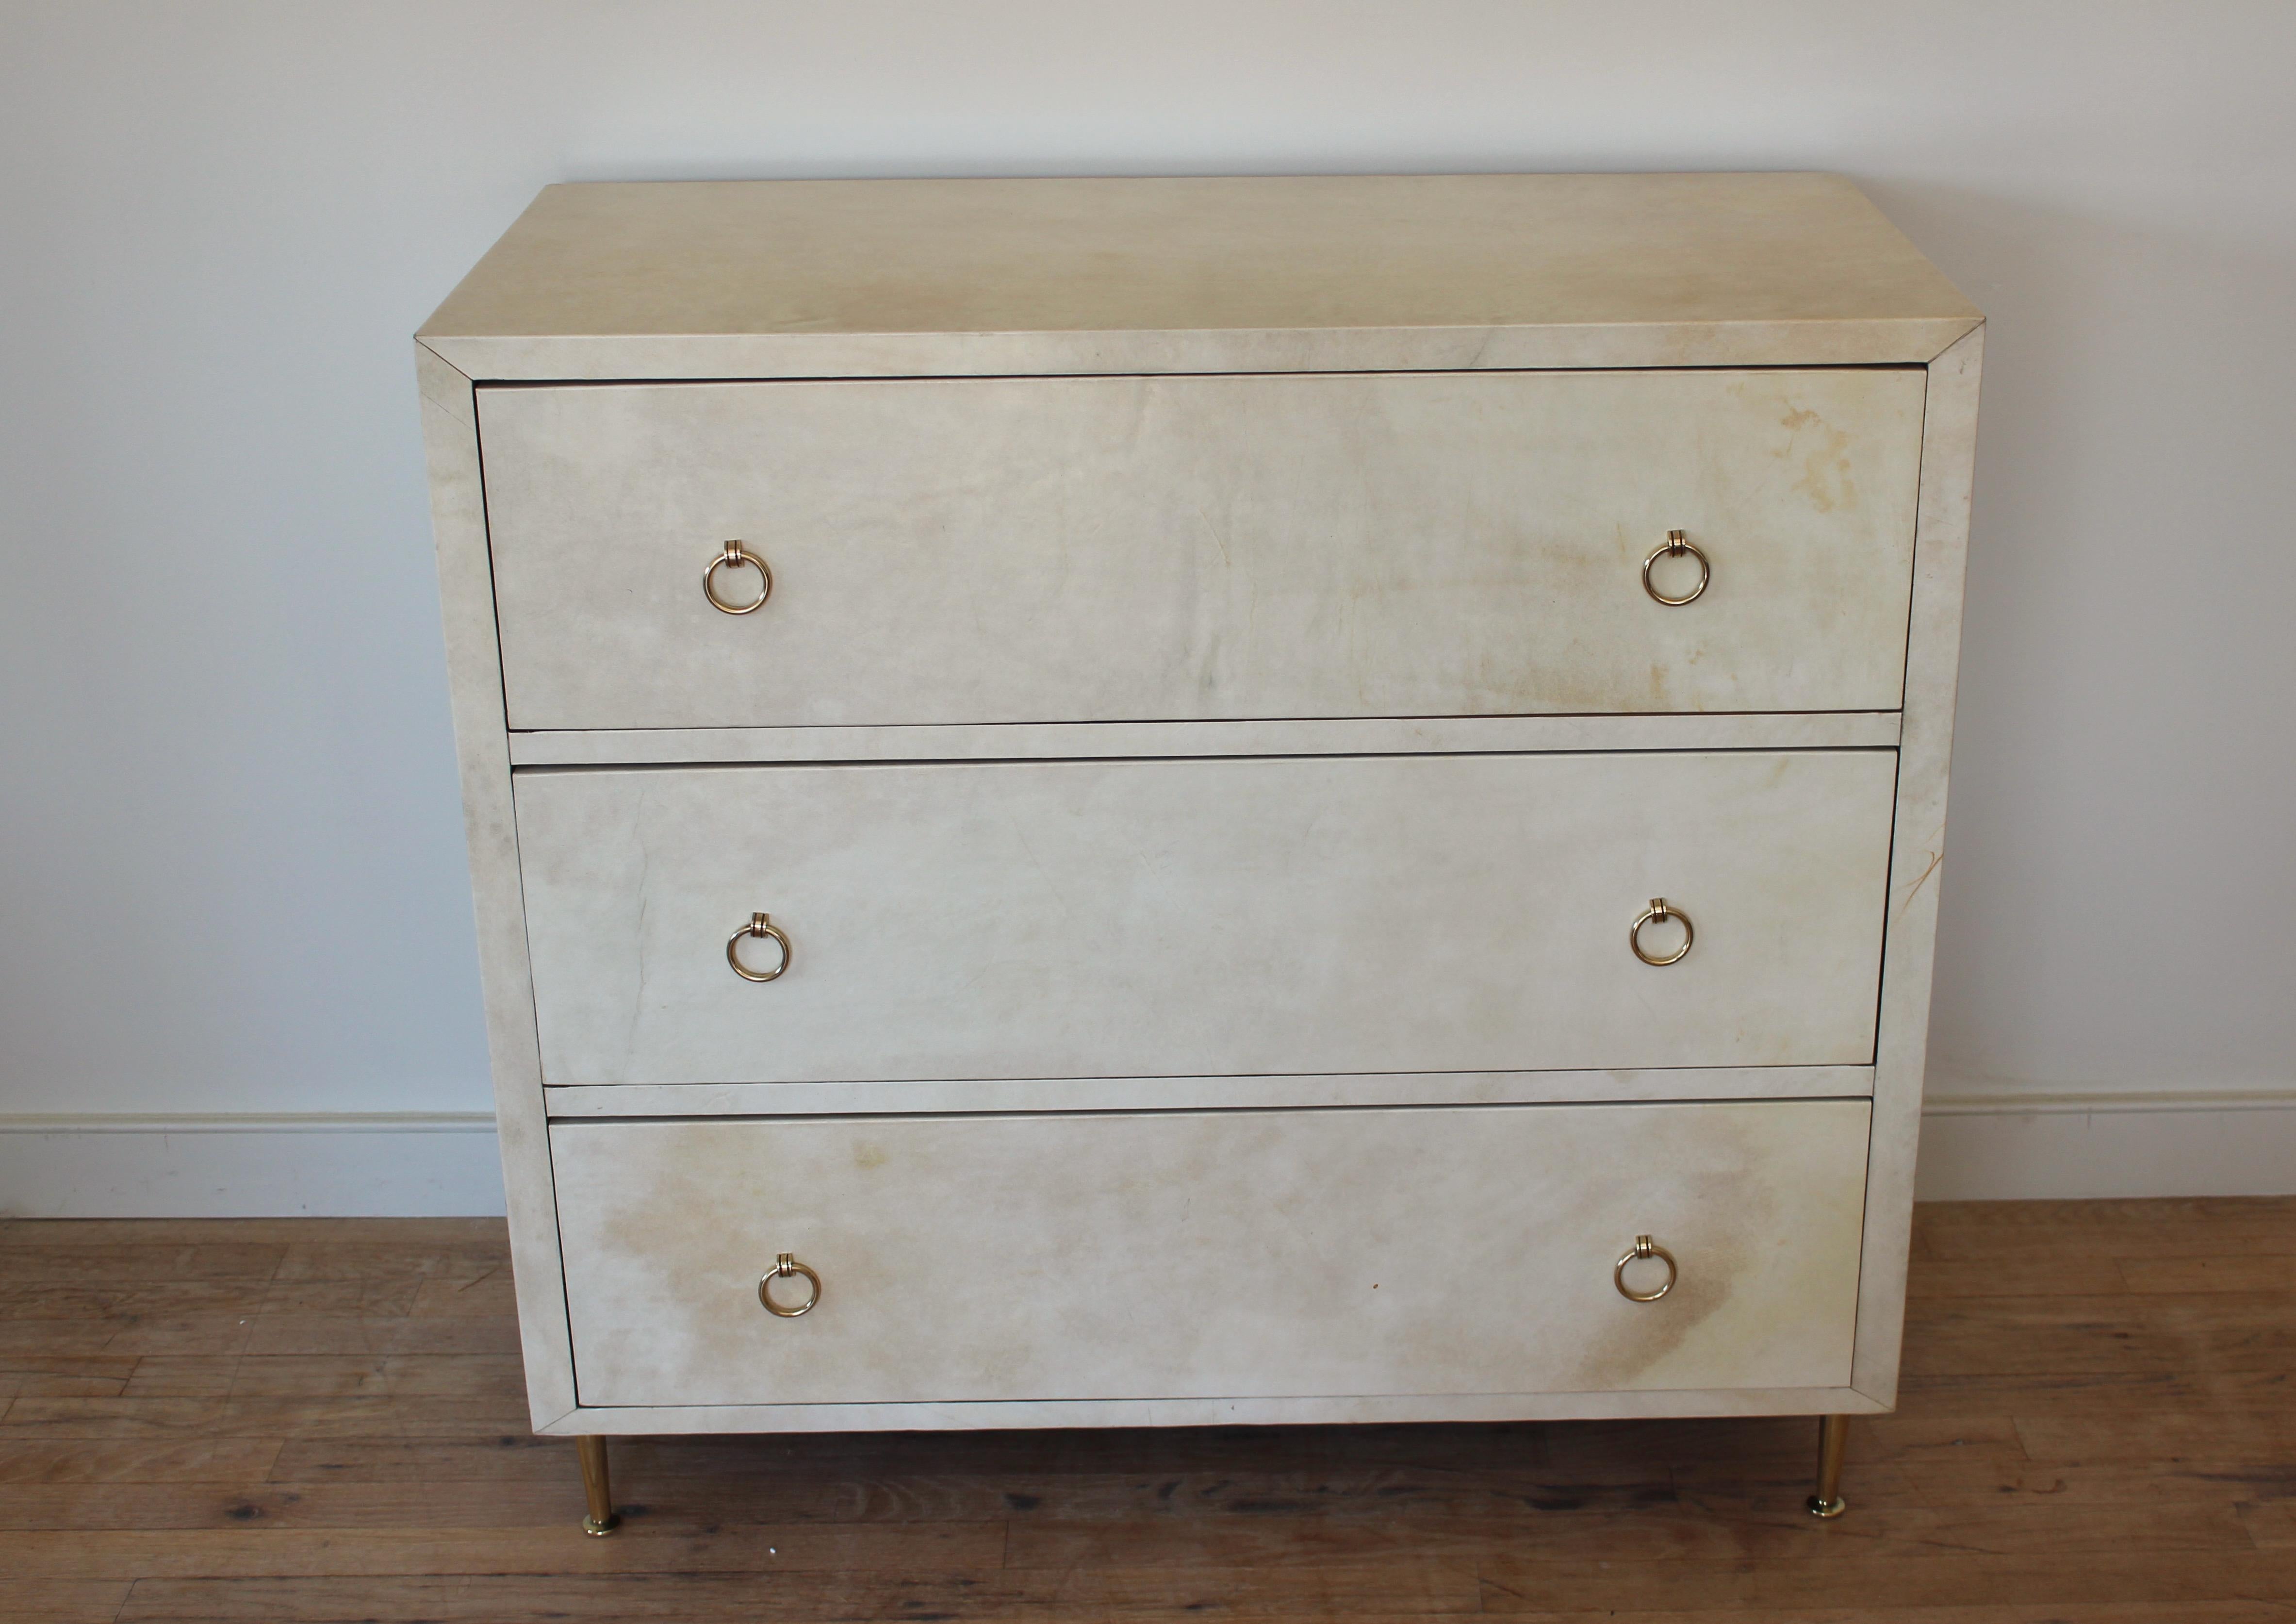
x,y
863,277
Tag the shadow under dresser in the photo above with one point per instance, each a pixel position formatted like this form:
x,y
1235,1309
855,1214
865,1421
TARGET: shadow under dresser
x,y
1185,801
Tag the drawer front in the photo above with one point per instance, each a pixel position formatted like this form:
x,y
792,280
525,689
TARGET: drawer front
x,y
1225,1254
985,550
1211,917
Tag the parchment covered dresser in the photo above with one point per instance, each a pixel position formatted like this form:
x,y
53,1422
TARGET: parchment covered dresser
x,y
1117,802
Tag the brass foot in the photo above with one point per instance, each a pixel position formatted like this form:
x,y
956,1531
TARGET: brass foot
x,y
602,1520
1832,1437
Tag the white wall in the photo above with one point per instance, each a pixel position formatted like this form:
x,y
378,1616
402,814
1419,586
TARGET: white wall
x,y
233,879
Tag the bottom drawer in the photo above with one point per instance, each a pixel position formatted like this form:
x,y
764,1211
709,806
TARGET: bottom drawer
x,y
1213,1254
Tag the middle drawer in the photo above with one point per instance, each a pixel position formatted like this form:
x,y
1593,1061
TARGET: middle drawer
x,y
1180,917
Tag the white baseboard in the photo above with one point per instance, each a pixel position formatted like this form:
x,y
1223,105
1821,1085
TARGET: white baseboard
x,y
1974,1147
330,1165
2023,1147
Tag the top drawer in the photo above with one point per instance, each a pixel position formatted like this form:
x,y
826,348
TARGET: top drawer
x,y
1135,548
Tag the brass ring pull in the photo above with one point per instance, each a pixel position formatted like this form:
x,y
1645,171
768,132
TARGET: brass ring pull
x,y
733,558
1644,1247
1677,542
1657,913
760,925
783,1264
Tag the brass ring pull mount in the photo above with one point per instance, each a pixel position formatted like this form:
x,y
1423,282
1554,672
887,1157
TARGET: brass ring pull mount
x,y
1678,543
734,558
760,925
1644,1247
1657,913
784,1267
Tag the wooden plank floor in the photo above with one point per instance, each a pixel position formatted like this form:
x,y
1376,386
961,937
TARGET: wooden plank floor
x,y
324,1419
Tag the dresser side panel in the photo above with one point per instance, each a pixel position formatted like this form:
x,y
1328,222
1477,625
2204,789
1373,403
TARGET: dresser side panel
x,y
458,519
1917,856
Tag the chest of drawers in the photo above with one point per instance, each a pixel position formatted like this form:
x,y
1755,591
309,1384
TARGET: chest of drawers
x,y
1162,802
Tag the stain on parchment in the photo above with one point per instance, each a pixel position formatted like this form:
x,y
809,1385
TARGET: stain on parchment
x,y
1638,1337
1824,451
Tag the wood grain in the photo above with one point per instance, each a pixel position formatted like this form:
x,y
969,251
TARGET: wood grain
x,y
2095,1425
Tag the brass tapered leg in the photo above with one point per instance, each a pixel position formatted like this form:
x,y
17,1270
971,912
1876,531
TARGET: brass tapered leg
x,y
601,1519
1832,1435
